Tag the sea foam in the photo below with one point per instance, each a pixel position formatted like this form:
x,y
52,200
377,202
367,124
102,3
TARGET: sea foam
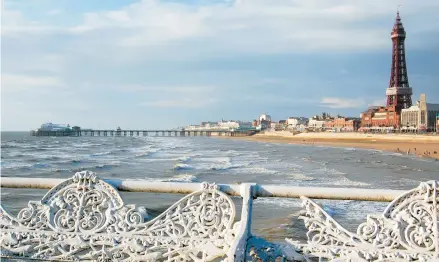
x,y
181,166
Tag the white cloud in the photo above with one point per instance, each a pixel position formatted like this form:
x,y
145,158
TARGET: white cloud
x,y
285,25
378,102
19,83
185,103
174,96
336,102
14,23
243,26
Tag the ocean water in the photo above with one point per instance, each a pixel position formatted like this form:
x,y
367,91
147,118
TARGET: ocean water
x,y
198,159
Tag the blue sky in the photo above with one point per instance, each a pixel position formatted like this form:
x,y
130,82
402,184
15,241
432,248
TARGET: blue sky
x,y
161,64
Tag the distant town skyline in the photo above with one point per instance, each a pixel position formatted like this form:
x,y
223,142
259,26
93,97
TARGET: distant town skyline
x,y
163,64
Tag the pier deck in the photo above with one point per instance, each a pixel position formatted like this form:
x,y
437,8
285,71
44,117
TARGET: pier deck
x,y
154,133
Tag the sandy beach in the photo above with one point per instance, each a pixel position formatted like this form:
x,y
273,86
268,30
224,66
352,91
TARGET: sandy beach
x,y
420,145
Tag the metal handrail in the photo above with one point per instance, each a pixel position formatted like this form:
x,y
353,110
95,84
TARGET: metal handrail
x,y
131,185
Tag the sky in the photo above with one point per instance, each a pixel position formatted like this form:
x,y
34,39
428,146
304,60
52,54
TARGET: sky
x,y
164,63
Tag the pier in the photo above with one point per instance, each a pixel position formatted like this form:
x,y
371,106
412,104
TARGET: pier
x,y
138,133
85,218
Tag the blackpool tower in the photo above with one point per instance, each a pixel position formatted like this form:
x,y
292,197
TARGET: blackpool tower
x,y
399,92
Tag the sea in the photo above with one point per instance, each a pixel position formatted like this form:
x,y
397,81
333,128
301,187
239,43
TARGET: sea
x,y
219,160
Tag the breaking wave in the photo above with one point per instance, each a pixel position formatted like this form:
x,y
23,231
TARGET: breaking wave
x,y
102,153
184,159
182,167
300,176
186,178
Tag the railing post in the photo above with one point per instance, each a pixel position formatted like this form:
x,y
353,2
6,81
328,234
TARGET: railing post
x,y
237,252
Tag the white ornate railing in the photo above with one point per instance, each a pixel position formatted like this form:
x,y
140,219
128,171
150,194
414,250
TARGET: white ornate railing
x,y
84,218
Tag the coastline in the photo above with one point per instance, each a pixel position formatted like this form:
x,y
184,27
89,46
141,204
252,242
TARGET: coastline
x,y
420,145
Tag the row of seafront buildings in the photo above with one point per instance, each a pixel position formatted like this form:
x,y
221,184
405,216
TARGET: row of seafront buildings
x,y
316,123
324,122
421,117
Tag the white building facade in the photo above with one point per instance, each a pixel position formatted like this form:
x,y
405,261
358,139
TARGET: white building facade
x,y
410,118
422,116
316,123
294,122
265,117
220,126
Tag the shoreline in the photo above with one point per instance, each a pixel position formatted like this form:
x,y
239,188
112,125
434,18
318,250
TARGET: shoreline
x,y
421,146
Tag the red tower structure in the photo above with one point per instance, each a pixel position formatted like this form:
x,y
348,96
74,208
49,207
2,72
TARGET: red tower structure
x,y
399,92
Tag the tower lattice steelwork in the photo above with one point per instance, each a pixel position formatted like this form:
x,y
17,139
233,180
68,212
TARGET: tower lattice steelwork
x,y
399,92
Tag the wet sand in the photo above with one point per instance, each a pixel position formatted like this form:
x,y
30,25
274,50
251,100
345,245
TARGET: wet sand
x,y
422,146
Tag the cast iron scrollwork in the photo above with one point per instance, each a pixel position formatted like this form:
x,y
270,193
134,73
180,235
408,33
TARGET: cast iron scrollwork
x,y
84,218
408,230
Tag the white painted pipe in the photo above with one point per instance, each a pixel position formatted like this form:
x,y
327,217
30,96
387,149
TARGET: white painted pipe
x,y
382,195
130,185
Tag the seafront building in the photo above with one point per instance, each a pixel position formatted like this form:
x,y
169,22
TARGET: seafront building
x,y
420,117
50,129
297,122
343,124
316,123
319,122
208,124
54,127
229,125
265,117
263,123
